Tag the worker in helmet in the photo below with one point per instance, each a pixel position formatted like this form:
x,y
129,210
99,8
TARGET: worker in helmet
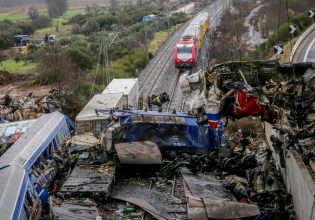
x,y
158,100
140,103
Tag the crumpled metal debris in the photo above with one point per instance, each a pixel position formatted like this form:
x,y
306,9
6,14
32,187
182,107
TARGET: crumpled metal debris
x,y
30,107
73,209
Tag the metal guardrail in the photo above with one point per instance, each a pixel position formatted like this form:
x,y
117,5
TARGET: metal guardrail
x,y
300,40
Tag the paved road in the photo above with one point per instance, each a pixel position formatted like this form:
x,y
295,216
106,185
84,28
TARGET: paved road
x,y
306,52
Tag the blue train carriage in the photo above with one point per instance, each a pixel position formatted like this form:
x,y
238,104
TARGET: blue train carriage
x,y
28,167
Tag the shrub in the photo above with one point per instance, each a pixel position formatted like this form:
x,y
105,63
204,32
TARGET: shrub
x,y
81,57
41,21
54,66
6,40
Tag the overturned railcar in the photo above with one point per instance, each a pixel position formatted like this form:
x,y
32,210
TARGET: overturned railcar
x,y
25,169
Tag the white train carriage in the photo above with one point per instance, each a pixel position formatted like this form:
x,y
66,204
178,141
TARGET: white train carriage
x,y
94,116
17,189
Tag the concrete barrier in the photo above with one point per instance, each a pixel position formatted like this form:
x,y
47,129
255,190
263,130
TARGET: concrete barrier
x,y
297,178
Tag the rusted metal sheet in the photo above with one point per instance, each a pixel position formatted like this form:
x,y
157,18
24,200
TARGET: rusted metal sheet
x,y
229,210
145,152
200,208
206,186
160,206
195,208
208,198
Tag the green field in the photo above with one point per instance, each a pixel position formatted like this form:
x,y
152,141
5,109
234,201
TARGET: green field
x,y
23,16
14,67
15,17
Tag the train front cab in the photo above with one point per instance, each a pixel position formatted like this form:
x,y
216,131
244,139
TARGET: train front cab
x,y
185,55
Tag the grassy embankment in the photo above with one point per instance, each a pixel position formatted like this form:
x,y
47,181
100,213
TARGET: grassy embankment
x,y
159,39
17,67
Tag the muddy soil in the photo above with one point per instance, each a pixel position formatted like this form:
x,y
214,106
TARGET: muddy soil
x,y
20,85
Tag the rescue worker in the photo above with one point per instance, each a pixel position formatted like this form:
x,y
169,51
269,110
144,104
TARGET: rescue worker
x,y
158,100
149,102
46,39
141,103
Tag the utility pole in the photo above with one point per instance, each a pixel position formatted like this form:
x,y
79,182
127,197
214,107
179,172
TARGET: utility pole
x,y
105,61
169,20
146,36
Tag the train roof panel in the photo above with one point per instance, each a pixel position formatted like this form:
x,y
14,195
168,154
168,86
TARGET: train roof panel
x,y
120,86
13,186
192,30
99,101
29,143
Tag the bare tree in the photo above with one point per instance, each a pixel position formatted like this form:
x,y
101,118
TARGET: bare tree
x,y
54,66
114,7
33,12
56,8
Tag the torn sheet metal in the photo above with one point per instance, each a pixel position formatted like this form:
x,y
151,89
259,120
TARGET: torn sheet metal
x,y
208,198
90,181
206,186
73,210
218,209
145,152
159,205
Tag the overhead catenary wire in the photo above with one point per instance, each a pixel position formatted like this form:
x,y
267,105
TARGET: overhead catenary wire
x,y
279,18
97,67
290,37
237,31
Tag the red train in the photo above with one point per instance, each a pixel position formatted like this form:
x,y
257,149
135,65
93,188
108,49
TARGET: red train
x,y
187,49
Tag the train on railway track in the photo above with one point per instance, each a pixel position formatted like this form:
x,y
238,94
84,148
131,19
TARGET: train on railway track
x,y
187,49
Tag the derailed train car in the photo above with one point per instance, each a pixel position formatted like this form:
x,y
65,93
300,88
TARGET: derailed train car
x,y
28,167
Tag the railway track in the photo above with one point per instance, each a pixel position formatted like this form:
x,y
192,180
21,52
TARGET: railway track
x,y
177,101
159,65
159,76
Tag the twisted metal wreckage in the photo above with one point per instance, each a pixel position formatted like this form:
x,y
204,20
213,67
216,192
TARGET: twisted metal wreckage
x,y
30,106
194,165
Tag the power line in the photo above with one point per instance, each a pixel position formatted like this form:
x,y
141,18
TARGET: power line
x,y
279,18
237,31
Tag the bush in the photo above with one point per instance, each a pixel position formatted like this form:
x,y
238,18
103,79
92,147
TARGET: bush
x,y
41,21
129,65
6,40
302,21
79,19
54,66
90,27
81,57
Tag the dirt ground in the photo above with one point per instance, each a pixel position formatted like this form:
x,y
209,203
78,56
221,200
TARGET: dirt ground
x,y
18,86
